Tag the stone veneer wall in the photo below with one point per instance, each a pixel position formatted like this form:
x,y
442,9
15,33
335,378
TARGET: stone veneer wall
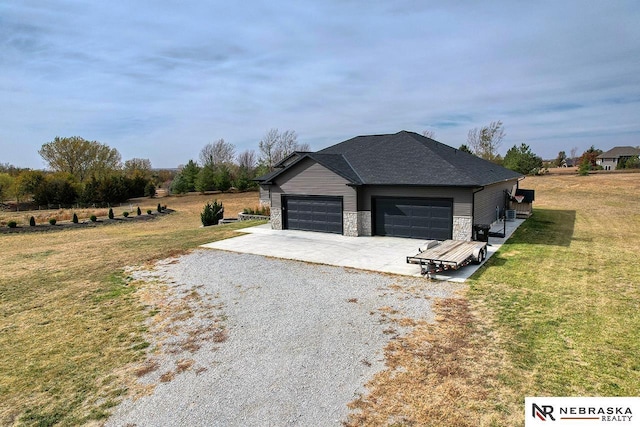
x,y
350,224
364,223
276,219
462,228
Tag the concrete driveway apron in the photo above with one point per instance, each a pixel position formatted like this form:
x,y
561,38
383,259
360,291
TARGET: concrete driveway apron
x,y
373,253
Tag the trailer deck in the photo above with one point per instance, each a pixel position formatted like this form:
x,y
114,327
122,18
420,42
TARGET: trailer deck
x,y
436,256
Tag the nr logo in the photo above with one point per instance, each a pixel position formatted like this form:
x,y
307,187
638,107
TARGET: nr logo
x,y
542,412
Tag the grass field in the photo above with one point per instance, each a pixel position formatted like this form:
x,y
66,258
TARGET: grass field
x,y
69,318
564,293
556,312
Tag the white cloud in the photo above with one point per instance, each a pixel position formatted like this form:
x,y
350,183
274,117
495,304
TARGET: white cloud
x,y
169,77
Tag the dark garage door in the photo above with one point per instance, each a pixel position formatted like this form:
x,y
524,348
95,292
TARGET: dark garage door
x,y
415,218
313,213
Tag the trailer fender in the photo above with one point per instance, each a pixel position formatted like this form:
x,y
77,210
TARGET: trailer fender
x,y
479,254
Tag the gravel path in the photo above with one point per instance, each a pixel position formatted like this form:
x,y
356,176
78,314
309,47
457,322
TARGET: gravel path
x,y
280,342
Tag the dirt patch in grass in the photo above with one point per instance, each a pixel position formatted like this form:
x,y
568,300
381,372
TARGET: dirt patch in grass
x,y
183,365
167,377
146,368
180,324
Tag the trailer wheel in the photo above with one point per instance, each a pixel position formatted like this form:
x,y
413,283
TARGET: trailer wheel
x,y
479,255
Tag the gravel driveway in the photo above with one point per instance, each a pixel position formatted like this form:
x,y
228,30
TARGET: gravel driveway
x,y
290,343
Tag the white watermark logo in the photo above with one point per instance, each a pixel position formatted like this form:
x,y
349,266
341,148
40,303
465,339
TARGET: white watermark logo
x,y
581,411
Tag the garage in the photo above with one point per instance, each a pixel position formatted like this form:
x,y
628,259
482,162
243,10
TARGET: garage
x,y
424,189
313,213
413,218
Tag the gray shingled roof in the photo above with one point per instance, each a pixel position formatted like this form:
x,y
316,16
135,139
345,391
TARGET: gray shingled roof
x,y
617,152
268,176
405,158
338,164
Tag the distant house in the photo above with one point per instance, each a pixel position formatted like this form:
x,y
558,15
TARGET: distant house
x,y
402,185
566,163
611,159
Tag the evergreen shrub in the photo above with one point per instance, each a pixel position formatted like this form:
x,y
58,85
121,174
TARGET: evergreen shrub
x,y
212,213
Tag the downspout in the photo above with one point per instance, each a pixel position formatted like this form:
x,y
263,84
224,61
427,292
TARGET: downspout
x,y
473,208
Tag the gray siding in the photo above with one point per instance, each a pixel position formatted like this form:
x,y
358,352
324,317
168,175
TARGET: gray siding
x,y
264,193
488,199
310,178
462,197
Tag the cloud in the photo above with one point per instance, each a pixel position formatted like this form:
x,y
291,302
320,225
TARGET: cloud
x,y
172,76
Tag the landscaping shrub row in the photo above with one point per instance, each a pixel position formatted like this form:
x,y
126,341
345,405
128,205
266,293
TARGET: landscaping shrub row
x,y
12,224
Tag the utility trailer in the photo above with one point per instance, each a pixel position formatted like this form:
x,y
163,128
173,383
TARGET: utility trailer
x,y
437,256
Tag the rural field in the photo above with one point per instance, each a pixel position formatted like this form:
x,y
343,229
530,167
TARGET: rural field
x,y
70,321
564,294
555,312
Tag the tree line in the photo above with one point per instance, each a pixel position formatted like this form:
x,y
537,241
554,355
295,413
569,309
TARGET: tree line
x,y
220,168
80,172
485,142
91,173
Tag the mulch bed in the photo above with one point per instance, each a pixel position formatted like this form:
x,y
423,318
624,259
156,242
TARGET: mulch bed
x,y
68,225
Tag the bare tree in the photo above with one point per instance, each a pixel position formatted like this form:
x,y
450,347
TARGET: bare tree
x,y
574,155
247,160
287,144
288,141
275,146
428,133
267,146
217,153
303,147
486,141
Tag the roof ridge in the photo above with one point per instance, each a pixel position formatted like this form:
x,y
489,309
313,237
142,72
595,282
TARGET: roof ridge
x,y
317,156
406,158
440,144
353,169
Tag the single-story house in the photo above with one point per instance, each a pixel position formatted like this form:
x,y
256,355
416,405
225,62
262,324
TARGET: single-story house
x,y
403,185
567,163
610,159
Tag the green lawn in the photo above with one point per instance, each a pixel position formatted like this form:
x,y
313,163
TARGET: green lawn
x,y
563,294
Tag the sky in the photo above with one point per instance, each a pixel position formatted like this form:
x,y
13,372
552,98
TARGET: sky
x,y
161,79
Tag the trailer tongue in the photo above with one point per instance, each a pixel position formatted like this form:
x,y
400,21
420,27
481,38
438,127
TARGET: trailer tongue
x,y
435,256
